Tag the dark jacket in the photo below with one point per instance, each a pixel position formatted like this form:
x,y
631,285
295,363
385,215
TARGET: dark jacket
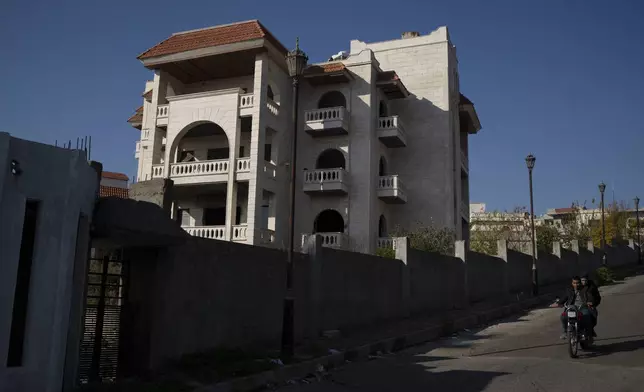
x,y
594,290
569,297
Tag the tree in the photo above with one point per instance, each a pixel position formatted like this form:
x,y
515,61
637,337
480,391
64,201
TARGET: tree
x,y
488,228
616,219
546,235
575,227
429,238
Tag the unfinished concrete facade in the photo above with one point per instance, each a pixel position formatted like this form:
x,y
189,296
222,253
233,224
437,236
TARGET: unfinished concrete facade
x,y
47,197
382,137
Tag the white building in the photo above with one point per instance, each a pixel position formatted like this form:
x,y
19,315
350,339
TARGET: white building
x,y
383,136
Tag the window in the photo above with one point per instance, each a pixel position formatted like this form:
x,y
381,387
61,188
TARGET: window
x,y
21,293
241,152
217,153
267,152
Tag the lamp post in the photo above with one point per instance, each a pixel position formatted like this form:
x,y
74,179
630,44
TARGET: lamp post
x,y
602,188
637,222
296,61
530,160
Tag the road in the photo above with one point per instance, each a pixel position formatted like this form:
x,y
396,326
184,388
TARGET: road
x,y
517,354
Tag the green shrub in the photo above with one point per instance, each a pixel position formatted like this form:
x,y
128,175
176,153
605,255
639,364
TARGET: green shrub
x,y
604,276
389,253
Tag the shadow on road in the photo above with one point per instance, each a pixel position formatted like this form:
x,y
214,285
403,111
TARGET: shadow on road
x,y
617,347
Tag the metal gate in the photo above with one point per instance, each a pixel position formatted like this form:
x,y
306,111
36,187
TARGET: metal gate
x,y
106,292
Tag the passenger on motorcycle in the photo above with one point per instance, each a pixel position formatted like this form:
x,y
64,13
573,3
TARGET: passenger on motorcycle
x,y
597,298
582,298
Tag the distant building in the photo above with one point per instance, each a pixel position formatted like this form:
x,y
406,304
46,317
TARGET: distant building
x,y
114,184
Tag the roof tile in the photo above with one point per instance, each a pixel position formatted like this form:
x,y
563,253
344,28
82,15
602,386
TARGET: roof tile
x,y
114,176
212,36
107,191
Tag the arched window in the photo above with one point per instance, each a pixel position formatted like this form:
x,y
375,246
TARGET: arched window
x,y
200,141
382,227
328,221
332,99
382,167
330,159
269,93
383,111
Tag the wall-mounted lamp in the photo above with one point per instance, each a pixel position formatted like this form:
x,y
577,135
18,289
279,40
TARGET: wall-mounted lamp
x,y
15,168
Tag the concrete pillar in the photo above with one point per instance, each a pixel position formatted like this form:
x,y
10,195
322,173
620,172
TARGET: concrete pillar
x,y
231,207
401,246
257,141
502,253
231,186
313,247
574,245
460,251
590,246
556,249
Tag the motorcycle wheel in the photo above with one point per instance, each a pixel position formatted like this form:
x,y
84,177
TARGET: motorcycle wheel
x,y
573,345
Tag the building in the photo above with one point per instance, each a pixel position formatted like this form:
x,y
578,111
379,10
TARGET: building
x,y
382,137
47,198
114,184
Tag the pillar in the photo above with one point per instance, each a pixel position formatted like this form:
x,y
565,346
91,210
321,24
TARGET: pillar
x,y
313,247
502,253
401,246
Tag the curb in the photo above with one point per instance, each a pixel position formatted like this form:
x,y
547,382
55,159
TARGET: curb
x,y
316,366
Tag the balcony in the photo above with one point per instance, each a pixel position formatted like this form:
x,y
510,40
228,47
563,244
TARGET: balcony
x,y
158,170
329,181
137,149
327,122
246,103
464,161
391,132
331,240
163,113
385,243
218,232
391,190
265,236
273,107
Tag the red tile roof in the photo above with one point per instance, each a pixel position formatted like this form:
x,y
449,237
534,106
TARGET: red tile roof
x,y
107,191
115,176
137,117
564,210
212,36
148,95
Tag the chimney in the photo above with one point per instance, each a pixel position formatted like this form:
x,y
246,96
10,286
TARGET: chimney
x,y
410,34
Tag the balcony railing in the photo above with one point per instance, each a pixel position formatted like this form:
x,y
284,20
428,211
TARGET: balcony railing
x,y
391,132
246,101
188,169
270,170
265,236
273,107
239,232
391,190
243,165
327,122
386,243
326,180
331,240
157,171
163,113
210,232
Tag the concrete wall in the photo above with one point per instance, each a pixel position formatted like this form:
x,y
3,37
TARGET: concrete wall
x,y
207,293
66,186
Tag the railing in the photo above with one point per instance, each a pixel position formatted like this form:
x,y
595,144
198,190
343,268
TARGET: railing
x,y
211,232
239,232
145,134
243,165
270,170
157,171
266,236
386,243
334,240
335,113
137,147
246,101
319,176
162,111
464,159
390,182
391,122
185,169
273,107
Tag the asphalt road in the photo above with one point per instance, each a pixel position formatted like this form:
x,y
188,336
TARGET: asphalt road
x,y
522,353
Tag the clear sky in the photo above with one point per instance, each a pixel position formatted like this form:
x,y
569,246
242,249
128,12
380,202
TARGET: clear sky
x,y
561,79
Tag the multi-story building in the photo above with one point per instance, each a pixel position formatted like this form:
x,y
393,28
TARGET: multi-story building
x,y
382,137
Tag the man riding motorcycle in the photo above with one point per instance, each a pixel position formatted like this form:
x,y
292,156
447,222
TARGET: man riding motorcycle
x,y
594,290
581,297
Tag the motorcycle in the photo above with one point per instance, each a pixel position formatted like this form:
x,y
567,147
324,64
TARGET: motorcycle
x,y
578,336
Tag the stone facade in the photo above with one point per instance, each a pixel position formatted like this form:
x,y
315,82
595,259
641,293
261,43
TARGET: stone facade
x,y
376,148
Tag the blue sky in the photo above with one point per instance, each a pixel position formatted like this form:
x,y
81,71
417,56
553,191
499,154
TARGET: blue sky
x,y
561,79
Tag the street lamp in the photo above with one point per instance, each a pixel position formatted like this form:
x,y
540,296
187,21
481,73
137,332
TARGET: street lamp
x,y
296,61
602,188
637,222
530,160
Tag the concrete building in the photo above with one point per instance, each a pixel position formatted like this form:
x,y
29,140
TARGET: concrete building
x,y
383,137
47,197
114,184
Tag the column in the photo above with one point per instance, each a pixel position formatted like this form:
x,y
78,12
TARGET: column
x,y
231,186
